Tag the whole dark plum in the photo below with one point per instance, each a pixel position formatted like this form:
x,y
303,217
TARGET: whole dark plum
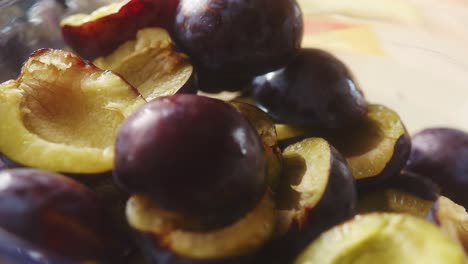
x,y
442,155
194,155
316,89
238,39
54,213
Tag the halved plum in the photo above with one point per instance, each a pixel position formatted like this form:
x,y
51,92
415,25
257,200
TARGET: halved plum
x,y
375,148
62,114
441,154
383,238
55,213
167,237
317,191
266,129
452,219
152,65
101,32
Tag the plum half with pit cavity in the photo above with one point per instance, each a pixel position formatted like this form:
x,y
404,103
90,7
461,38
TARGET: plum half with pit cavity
x,y
194,155
62,114
383,238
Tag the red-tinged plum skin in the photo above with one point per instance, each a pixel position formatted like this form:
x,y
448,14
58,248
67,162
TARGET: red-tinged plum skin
x,y
191,154
102,36
441,154
15,250
54,212
238,38
315,89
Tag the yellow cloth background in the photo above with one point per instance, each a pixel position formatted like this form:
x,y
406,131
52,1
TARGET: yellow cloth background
x,y
411,55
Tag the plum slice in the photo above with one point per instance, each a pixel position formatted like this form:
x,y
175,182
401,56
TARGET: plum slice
x,y
317,191
452,219
266,129
62,114
375,148
152,65
168,237
55,213
101,32
383,238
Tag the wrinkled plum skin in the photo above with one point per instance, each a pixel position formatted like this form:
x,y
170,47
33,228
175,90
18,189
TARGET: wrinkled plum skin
x,y
54,212
441,154
13,250
194,155
316,89
239,38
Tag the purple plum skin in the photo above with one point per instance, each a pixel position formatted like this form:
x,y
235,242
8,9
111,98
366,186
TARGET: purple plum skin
x,y
239,38
316,89
193,155
54,212
441,154
14,250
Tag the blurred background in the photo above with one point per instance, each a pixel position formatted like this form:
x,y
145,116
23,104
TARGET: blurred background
x,y
410,55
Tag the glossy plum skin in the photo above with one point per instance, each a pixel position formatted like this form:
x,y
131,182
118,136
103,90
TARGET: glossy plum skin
x,y
316,89
193,155
55,213
441,154
14,250
238,38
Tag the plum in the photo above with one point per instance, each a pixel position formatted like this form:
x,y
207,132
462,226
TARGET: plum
x,y
315,89
375,148
441,154
55,213
101,32
383,238
238,39
14,250
317,191
168,237
62,114
266,129
403,193
152,65
194,155
451,218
